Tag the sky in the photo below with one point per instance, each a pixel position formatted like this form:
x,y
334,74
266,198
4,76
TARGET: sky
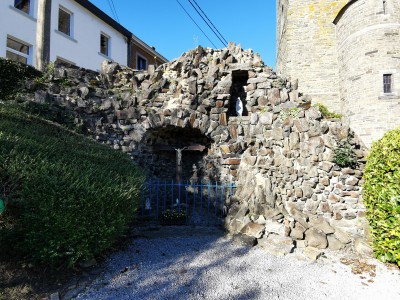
x,y
165,25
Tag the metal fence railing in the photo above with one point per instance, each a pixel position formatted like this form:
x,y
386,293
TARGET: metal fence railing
x,y
179,203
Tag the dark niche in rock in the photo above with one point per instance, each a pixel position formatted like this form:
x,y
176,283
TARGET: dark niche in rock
x,y
238,103
172,152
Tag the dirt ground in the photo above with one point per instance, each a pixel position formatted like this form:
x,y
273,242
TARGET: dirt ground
x,y
19,280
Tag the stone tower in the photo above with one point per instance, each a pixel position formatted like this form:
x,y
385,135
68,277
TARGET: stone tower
x,y
368,47
307,47
346,55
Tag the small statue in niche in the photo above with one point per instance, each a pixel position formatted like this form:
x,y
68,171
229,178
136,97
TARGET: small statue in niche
x,y
147,205
239,107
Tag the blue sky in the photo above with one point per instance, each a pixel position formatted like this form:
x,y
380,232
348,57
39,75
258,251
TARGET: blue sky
x,y
164,25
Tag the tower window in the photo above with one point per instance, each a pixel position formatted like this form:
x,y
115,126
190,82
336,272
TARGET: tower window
x,y
387,83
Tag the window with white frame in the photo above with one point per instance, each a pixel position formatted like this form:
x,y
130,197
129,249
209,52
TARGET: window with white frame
x,y
23,5
64,21
18,50
104,44
141,63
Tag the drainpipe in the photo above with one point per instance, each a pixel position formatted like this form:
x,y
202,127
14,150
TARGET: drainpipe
x,y
129,45
43,34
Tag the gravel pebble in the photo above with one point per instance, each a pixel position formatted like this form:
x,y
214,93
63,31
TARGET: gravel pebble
x,y
211,266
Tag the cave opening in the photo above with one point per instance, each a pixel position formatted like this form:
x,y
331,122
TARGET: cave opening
x,y
175,153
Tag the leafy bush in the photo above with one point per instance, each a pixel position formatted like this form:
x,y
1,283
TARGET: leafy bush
x,y
12,76
326,113
71,197
382,196
344,155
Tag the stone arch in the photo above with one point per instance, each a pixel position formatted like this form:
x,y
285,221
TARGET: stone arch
x,y
157,152
159,132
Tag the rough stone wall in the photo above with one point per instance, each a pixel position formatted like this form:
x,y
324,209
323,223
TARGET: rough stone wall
x,y
289,191
279,153
121,107
307,47
368,43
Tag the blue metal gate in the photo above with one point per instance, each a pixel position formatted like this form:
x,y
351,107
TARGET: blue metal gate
x,y
190,203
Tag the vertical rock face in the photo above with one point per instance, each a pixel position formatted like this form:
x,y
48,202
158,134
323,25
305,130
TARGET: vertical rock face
x,y
278,152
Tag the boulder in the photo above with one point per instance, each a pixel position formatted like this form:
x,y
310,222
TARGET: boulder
x,y
322,225
362,247
312,253
275,227
276,244
316,238
253,230
342,236
244,240
334,243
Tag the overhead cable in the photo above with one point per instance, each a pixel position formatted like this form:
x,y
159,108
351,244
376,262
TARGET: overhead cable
x,y
113,10
219,35
207,23
196,23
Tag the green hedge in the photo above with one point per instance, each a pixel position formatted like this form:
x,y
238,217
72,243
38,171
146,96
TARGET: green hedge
x,y
382,196
68,198
13,75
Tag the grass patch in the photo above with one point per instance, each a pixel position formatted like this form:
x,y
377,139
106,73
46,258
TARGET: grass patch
x,y
67,198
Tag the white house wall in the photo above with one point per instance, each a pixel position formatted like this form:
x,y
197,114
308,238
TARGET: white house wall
x,y
83,48
19,25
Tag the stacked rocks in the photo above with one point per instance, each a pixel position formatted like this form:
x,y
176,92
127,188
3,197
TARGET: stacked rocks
x,y
278,150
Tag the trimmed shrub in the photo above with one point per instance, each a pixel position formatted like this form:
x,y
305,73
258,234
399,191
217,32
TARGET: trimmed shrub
x,y
13,75
71,198
382,196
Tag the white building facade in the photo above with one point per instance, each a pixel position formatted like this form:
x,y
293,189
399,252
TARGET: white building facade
x,y
77,32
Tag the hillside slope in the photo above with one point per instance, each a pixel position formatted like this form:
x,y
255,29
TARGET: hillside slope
x,y
67,198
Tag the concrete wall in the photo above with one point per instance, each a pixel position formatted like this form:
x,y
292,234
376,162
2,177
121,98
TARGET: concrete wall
x,y
83,47
307,47
19,25
368,43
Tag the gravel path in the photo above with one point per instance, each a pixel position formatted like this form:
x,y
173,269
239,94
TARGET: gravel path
x,y
171,264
